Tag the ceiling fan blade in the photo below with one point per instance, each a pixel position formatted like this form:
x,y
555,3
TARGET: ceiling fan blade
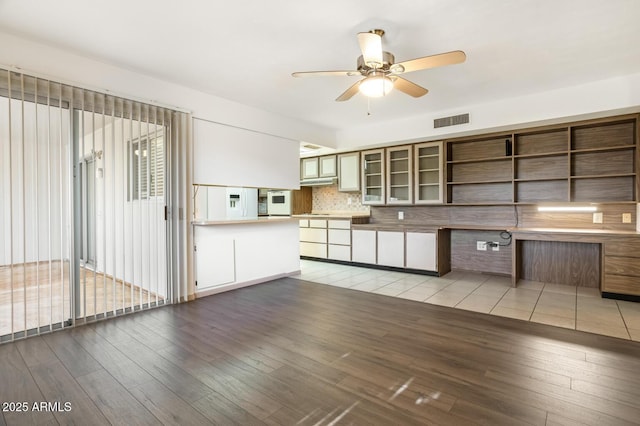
x,y
348,94
324,73
408,87
433,61
371,46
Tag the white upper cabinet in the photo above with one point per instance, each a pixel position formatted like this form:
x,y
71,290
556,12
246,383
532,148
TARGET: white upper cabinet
x,y
349,172
428,173
309,168
373,177
327,166
399,175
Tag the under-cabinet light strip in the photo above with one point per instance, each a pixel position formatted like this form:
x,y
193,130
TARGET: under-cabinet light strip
x,y
568,209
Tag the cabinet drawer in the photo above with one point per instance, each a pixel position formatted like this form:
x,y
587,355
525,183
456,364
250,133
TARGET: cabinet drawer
x,y
628,247
304,223
621,284
339,224
313,250
340,236
313,235
622,266
317,223
339,252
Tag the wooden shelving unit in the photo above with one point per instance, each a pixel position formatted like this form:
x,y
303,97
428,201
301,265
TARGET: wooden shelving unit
x,y
480,170
591,161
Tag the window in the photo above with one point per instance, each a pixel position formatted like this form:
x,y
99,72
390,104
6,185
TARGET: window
x,y
146,167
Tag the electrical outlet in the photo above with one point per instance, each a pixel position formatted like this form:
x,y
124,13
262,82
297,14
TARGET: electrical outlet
x,y
400,215
495,246
626,217
597,217
481,245
349,201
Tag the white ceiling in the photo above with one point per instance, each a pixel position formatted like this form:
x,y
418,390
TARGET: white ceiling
x,y
245,50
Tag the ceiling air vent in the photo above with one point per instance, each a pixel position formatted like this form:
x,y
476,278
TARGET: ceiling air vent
x,y
454,120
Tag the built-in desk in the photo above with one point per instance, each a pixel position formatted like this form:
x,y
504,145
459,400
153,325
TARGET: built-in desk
x,y
604,259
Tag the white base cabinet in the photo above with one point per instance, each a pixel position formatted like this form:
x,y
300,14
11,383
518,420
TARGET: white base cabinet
x,y
326,238
391,248
363,246
421,251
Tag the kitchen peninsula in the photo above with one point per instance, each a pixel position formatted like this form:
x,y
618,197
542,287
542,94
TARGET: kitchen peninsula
x,y
237,252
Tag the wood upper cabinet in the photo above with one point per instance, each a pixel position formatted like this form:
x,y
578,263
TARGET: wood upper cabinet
x,y
349,172
309,168
373,177
428,174
327,166
399,175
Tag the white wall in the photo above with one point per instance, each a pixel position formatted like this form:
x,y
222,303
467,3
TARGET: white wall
x,y
225,155
619,95
66,67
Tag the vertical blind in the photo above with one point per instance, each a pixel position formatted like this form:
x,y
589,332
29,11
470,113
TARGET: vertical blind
x,y
87,183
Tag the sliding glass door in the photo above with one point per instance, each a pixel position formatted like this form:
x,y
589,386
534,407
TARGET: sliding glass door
x,y
120,222
83,205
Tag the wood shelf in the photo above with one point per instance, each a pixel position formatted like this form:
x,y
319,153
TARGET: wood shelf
x,y
543,154
478,182
545,179
603,176
603,149
481,160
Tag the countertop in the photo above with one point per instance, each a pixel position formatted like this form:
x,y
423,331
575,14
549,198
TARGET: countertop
x,y
581,231
332,215
511,229
244,220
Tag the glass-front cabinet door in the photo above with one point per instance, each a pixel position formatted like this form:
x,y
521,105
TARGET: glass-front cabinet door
x,y
428,174
373,174
399,172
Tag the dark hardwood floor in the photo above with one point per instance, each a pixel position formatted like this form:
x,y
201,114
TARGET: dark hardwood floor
x,y
296,353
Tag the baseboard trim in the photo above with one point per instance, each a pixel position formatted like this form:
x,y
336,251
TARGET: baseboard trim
x,y
372,266
233,286
617,296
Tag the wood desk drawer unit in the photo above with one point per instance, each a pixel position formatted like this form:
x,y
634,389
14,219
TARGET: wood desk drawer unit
x,y
622,266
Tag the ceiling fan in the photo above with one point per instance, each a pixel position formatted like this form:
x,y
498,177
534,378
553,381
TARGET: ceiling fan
x,y
381,73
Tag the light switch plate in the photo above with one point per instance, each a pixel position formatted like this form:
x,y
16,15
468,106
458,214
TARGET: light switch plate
x,y
626,217
597,217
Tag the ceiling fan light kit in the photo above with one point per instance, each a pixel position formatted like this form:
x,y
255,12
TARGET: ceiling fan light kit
x,y
381,73
375,86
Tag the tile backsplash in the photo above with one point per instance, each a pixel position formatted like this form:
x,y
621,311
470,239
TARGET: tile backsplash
x,y
329,199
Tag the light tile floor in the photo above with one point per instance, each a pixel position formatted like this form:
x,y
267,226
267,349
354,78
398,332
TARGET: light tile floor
x,y
553,304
